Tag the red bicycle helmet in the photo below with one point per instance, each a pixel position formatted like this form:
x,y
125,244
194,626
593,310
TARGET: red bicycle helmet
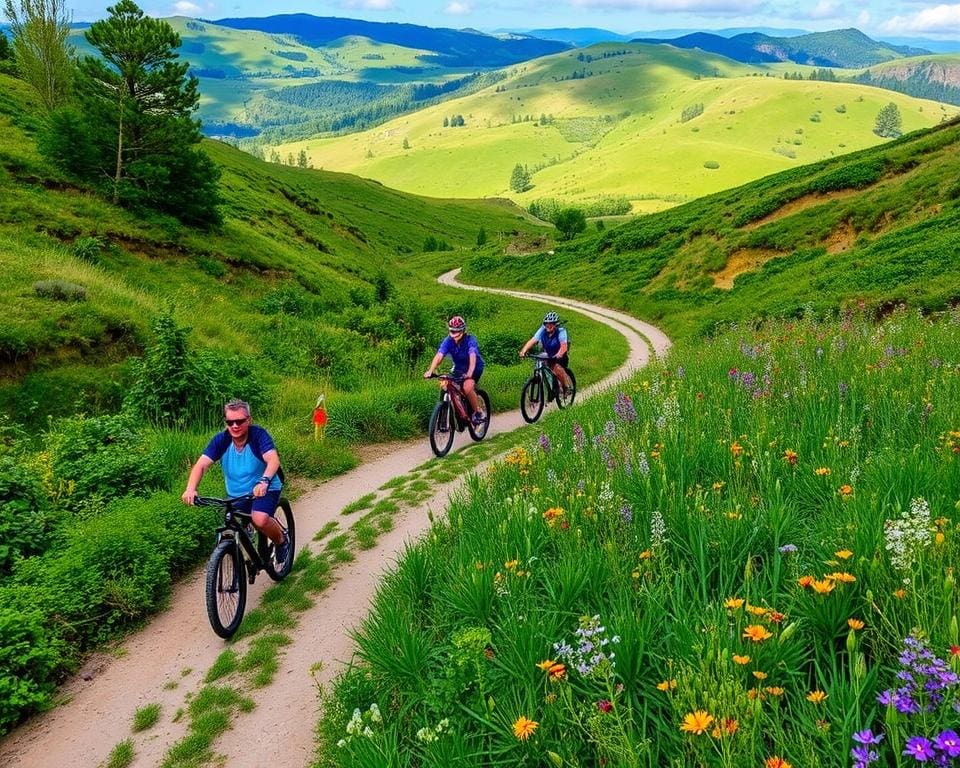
x,y
457,323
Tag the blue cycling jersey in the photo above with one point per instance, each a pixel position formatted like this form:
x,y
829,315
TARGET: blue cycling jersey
x,y
460,354
551,342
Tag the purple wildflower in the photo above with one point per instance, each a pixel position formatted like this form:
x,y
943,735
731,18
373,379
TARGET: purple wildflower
x,y
626,513
949,743
623,407
863,756
578,437
544,442
867,736
919,748
787,549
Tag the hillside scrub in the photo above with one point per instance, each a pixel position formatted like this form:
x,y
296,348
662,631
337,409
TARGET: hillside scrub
x,y
720,562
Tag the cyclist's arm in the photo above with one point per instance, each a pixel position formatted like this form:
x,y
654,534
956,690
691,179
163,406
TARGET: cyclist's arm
x,y
526,347
196,474
437,359
471,365
273,464
563,349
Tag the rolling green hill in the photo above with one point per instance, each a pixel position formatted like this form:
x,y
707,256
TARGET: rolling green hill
x,y
927,77
610,120
880,226
288,282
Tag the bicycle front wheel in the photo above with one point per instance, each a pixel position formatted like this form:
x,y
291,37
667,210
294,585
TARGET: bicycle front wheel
x,y
275,569
531,399
442,426
566,394
226,589
478,431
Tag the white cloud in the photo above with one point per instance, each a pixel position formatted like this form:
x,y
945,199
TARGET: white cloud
x,y
940,19
369,5
723,7
825,9
186,8
863,19
458,9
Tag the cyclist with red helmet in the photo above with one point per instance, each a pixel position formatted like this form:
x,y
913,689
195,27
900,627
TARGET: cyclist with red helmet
x,y
467,363
552,338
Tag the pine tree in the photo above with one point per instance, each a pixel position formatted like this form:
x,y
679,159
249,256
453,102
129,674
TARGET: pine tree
x,y
520,179
889,122
139,102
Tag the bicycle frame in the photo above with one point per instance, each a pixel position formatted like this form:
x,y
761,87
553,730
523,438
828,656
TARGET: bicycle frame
x,y
453,392
235,524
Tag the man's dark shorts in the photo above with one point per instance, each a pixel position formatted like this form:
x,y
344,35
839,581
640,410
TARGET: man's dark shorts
x,y
267,503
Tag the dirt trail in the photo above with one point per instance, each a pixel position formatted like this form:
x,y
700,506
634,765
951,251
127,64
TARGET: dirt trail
x,y
170,656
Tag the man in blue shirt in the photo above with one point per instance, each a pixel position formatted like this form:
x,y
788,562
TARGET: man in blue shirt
x,y
552,338
467,363
250,464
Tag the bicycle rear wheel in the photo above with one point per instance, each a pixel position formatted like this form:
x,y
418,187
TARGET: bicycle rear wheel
x,y
442,427
226,588
275,570
478,431
567,394
531,399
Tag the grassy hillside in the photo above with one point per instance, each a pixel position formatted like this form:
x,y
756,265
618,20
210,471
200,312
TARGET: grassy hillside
x,y
878,226
288,282
928,77
612,124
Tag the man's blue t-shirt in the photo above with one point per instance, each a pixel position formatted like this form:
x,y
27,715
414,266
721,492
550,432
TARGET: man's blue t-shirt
x,y
551,344
460,354
242,469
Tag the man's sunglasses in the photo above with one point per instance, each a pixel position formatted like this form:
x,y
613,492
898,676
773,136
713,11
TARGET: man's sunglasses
x,y
235,422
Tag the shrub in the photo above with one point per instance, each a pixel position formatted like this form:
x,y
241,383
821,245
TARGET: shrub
x,y
60,290
28,658
501,347
711,165
25,516
99,458
88,248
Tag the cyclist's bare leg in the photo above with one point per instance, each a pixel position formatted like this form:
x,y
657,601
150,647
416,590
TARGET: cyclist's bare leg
x,y
560,372
267,525
470,390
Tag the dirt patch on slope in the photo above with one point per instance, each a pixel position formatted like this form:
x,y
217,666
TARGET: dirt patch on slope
x,y
810,200
740,261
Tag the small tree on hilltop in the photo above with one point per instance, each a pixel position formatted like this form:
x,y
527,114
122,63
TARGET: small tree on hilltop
x,y
889,122
520,179
44,58
570,222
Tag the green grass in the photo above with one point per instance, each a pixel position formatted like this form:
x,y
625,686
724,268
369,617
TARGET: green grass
x,y
145,717
121,755
684,509
364,502
637,147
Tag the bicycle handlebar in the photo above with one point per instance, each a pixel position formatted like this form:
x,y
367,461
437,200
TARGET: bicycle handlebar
x,y
213,501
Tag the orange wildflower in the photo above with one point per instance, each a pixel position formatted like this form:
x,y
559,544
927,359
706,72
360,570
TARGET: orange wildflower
x,y
855,624
759,675
741,659
667,685
756,610
777,762
842,576
823,587
524,727
736,449
805,581
821,471
696,722
776,617
790,456
646,554
816,697
900,593
733,603
845,490
774,690
843,554
757,632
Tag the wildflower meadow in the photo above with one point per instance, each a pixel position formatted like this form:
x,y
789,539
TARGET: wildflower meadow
x,y
744,556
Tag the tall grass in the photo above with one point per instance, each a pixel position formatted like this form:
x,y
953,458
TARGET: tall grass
x,y
716,565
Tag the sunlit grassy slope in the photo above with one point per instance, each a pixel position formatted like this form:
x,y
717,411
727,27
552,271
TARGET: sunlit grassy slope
x,y
619,129
880,226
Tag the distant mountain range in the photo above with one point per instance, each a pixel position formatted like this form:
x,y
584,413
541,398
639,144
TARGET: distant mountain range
x,y
449,47
844,48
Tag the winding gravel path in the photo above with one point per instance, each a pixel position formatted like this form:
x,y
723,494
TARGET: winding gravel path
x,y
171,654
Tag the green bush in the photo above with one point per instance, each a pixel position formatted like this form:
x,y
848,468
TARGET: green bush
x,y
501,347
711,165
28,659
88,248
25,515
93,459
59,290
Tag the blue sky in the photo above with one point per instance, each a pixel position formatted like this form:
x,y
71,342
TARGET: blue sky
x,y
903,18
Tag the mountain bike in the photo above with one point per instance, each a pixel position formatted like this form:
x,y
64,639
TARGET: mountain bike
x,y
236,559
451,414
542,387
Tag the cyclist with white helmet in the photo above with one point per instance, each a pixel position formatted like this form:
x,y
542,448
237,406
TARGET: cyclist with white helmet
x,y
552,338
467,363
